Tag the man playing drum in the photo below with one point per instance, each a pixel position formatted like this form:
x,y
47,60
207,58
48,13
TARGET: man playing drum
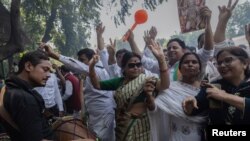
x,y
22,107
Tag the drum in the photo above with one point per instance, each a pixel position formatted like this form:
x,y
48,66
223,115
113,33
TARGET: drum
x,y
4,137
69,128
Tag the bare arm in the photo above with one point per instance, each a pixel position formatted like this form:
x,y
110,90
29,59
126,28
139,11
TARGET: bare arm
x,y
133,44
224,15
164,75
208,29
92,75
111,51
74,64
148,90
99,31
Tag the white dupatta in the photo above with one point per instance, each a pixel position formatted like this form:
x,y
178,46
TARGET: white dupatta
x,y
169,103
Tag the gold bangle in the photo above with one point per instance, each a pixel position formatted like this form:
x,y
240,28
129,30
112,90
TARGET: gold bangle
x,y
164,70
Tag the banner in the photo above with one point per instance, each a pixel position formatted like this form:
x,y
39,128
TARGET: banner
x,y
189,16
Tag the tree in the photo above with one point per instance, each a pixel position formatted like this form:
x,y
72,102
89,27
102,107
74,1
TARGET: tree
x,y
119,9
66,23
240,17
12,36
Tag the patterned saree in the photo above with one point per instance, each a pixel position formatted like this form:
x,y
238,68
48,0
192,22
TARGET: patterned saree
x,y
131,127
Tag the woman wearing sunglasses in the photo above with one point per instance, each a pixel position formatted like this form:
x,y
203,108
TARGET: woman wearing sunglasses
x,y
132,122
229,105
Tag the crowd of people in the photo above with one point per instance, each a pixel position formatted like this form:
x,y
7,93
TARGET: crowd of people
x,y
128,95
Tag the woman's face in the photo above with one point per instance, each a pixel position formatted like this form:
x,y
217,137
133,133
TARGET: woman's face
x,y
229,66
190,66
133,68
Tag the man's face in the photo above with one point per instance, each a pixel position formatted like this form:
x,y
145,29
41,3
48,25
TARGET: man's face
x,y
83,58
119,59
39,74
175,51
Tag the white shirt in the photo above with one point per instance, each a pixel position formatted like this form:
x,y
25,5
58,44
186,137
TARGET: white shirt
x,y
51,93
104,56
68,90
99,104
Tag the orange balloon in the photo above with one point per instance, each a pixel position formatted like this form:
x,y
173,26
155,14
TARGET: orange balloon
x,y
141,16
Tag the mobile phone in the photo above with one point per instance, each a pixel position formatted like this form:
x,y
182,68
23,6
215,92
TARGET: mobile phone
x,y
213,103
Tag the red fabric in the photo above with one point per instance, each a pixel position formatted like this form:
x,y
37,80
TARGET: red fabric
x,y
74,101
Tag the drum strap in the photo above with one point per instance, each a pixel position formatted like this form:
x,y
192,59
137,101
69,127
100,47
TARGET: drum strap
x,y
3,113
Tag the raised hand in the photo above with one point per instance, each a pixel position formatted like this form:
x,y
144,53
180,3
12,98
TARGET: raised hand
x,y
100,29
147,38
112,47
189,104
156,49
153,32
47,48
94,60
205,16
205,12
226,12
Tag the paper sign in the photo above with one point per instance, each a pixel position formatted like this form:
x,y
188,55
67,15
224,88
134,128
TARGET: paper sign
x,y
190,19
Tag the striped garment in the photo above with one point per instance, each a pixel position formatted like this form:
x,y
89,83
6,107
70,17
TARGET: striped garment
x,y
129,127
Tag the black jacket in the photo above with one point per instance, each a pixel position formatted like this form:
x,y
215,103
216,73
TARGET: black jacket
x,y
26,108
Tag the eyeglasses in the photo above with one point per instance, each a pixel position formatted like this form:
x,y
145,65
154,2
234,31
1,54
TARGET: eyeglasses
x,y
132,65
227,61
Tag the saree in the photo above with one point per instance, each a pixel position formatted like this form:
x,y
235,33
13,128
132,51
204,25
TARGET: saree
x,y
131,127
168,121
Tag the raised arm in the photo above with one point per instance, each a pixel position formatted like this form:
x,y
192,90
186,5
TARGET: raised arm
x,y
92,75
111,51
206,12
99,31
148,62
133,44
74,64
224,15
164,75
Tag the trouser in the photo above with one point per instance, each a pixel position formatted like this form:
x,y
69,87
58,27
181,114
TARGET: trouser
x,y
104,128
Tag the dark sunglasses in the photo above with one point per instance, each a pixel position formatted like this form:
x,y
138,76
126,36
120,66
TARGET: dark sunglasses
x,y
132,65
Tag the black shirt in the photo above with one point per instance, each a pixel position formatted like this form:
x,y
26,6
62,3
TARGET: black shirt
x,y
226,114
26,107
